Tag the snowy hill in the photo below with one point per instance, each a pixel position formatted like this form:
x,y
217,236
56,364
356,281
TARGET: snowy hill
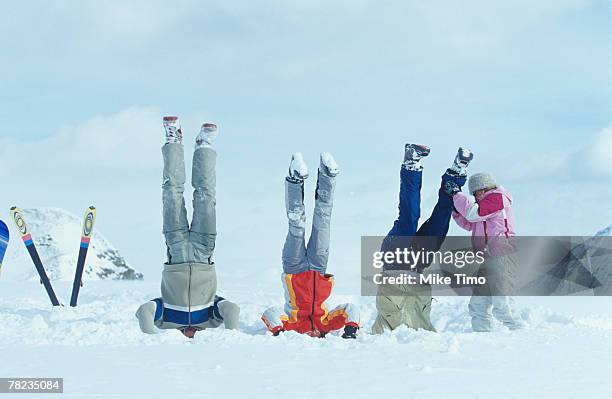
x,y
56,234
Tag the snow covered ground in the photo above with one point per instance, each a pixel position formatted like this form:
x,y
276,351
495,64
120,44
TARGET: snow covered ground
x,y
98,349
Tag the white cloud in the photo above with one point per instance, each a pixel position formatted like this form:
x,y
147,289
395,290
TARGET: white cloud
x,y
601,152
580,160
129,138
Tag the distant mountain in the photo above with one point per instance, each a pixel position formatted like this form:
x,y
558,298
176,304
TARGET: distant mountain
x,y
57,233
582,268
605,232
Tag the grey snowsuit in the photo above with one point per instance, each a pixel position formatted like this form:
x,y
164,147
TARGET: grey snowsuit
x,y
189,281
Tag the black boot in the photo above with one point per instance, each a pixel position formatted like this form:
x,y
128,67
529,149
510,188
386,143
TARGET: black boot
x,y
350,332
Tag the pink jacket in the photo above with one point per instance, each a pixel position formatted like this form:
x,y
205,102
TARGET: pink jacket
x,y
489,217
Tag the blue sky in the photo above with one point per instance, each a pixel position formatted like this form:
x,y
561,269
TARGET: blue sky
x,y
527,85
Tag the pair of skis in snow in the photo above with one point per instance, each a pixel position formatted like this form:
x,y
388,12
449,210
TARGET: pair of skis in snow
x,y
88,223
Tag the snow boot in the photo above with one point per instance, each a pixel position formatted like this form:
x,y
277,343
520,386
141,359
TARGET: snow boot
x,y
350,332
413,153
298,171
207,135
174,134
328,165
462,160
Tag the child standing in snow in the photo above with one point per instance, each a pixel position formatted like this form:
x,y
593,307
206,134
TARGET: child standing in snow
x,y
410,304
306,284
189,282
491,221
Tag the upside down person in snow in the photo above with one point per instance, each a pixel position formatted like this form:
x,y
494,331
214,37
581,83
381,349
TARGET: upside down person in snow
x,y
189,300
306,284
410,304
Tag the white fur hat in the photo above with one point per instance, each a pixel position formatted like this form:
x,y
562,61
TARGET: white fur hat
x,y
479,181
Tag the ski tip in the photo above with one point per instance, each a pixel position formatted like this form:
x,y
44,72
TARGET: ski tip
x,y
88,223
19,222
90,211
14,211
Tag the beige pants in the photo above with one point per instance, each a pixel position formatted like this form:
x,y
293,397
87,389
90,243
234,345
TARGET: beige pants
x,y
403,304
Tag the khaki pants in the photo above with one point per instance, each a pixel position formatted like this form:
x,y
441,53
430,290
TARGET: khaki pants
x,y
403,304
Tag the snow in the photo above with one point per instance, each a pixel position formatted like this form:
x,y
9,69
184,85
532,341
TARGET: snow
x,y
57,235
98,349
100,352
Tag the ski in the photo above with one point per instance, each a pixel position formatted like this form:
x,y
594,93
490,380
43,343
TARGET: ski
x,y
4,240
88,223
27,240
